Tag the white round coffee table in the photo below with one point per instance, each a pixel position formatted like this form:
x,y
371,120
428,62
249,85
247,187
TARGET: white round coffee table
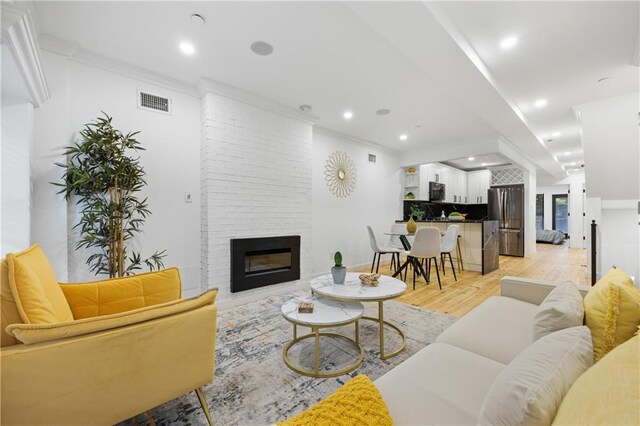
x,y
353,290
326,313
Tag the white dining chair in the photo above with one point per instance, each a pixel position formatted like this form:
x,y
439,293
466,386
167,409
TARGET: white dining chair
x,y
448,245
425,247
396,230
378,251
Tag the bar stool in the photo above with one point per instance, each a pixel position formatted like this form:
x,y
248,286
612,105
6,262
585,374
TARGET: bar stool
x,y
458,257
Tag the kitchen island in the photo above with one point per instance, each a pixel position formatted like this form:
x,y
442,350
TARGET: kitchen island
x,y
478,241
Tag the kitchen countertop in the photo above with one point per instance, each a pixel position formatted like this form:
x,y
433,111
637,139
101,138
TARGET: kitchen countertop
x,y
446,221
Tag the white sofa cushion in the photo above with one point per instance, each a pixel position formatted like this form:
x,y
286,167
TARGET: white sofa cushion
x,y
440,384
562,308
530,389
499,329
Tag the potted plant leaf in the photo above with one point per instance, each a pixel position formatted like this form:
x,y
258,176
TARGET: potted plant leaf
x,y
416,212
104,176
338,271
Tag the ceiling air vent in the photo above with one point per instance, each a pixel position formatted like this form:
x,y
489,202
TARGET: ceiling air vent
x,y
372,158
153,102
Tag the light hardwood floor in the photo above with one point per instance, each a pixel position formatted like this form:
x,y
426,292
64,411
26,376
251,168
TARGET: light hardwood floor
x,y
553,263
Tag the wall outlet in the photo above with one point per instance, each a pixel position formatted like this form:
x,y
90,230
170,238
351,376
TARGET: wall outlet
x,y
187,197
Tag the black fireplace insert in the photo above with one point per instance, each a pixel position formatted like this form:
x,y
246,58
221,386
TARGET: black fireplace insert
x,y
258,262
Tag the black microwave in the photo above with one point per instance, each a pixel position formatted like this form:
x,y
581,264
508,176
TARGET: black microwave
x,y
436,191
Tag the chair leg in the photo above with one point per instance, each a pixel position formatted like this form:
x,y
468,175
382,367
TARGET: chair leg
x,y
442,263
452,267
438,272
374,261
378,266
204,405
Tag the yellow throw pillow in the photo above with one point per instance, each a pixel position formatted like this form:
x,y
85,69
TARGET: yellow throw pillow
x,y
35,288
608,393
358,402
612,311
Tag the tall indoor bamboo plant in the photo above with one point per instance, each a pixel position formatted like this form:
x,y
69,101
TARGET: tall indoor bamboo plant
x,y
105,179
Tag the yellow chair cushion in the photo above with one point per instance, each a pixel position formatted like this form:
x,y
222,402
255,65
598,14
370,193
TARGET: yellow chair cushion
x,y
36,333
35,288
124,294
608,393
358,402
612,311
8,309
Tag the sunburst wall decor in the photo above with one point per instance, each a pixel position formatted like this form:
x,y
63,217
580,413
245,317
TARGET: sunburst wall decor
x,y
340,174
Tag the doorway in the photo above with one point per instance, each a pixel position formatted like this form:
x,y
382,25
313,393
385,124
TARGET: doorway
x,y
560,213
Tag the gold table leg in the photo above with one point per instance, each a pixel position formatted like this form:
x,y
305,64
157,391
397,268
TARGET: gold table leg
x,y
317,348
205,406
381,323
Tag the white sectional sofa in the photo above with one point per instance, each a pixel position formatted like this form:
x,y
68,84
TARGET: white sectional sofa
x,y
446,382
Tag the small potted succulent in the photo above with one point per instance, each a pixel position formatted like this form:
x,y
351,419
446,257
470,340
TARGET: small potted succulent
x,y
338,271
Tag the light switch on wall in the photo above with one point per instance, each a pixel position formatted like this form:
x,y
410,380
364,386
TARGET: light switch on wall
x,y
187,197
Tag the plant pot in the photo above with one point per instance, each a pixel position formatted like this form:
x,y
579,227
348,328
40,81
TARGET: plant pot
x,y
339,274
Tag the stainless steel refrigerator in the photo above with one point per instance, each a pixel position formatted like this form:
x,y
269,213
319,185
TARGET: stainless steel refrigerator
x,y
506,205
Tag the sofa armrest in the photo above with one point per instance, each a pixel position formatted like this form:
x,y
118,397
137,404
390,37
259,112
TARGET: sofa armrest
x,y
115,295
37,333
109,376
530,290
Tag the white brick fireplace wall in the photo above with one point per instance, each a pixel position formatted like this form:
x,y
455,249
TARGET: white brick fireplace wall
x,y
256,181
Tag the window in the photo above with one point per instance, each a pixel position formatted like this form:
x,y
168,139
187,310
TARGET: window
x,y
539,212
561,213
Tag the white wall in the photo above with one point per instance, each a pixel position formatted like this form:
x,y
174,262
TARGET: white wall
x,y
171,161
610,136
549,192
339,224
16,135
256,182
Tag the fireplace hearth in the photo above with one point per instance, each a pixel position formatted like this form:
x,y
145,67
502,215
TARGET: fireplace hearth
x,y
259,262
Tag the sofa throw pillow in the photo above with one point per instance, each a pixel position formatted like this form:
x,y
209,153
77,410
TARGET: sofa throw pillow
x,y
531,388
608,393
612,311
358,402
35,288
562,308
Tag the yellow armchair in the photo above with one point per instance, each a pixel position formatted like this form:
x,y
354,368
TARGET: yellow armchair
x,y
132,344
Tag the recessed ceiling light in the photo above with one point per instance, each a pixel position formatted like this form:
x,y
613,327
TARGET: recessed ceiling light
x,y
471,158
404,137
347,115
556,134
540,103
261,48
567,153
383,111
484,164
571,164
187,48
508,42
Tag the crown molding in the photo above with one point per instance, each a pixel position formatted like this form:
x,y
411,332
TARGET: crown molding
x,y
75,53
19,34
364,142
210,86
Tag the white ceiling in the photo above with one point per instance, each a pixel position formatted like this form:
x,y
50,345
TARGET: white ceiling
x,y
336,56
563,49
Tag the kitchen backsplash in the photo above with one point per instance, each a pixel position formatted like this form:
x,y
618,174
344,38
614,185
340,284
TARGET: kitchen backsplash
x,y
434,210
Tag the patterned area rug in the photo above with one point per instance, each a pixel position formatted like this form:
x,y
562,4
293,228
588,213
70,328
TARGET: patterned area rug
x,y
252,385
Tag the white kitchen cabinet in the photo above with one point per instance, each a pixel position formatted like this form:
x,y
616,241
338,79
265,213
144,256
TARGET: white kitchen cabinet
x,y
478,183
462,195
